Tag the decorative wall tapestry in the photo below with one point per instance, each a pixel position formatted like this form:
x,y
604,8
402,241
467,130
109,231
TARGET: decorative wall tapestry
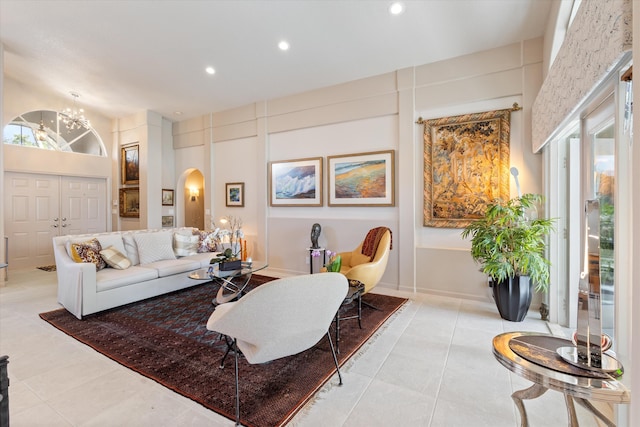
x,y
466,166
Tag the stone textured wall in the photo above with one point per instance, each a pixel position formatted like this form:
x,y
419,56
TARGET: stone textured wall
x,y
598,38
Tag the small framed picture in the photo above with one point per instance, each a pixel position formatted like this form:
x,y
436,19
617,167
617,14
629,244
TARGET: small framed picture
x,y
130,202
167,221
167,197
235,194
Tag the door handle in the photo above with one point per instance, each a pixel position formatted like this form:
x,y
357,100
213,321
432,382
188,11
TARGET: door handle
x,y
55,219
64,219
55,225
64,225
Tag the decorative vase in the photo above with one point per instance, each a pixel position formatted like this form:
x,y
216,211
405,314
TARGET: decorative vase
x,y
513,297
230,265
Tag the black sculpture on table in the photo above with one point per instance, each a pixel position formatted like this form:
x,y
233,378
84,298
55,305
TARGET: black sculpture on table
x,y
315,233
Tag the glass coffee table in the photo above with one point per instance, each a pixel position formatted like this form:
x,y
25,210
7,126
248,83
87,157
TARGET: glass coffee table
x,y
229,290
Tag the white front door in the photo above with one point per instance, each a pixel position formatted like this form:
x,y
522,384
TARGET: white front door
x,y
31,208
39,207
83,205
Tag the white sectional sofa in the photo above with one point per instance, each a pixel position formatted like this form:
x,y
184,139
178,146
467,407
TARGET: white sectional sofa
x,y
155,268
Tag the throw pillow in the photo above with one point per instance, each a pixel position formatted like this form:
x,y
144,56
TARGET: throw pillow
x,y
88,252
154,246
184,245
114,258
207,241
130,248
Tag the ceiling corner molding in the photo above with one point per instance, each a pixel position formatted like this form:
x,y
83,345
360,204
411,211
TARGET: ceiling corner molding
x,y
596,42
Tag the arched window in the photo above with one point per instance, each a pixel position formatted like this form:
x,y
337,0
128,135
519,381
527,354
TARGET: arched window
x,y
45,129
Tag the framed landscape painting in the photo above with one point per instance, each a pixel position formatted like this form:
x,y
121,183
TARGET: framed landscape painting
x,y
234,194
130,202
296,182
364,179
129,159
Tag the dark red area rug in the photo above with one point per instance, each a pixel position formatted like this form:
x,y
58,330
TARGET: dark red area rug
x,y
166,339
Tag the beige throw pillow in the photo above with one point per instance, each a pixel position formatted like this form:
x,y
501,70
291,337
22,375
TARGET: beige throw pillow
x,y
114,258
185,245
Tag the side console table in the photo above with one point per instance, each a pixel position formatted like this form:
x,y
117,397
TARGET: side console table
x,y
533,356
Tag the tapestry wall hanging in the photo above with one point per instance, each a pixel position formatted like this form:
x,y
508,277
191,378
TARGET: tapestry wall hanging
x,y
466,166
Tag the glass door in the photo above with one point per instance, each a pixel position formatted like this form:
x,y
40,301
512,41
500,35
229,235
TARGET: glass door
x,y
599,184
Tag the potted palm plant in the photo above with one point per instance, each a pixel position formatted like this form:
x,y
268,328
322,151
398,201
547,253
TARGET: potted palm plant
x,y
511,249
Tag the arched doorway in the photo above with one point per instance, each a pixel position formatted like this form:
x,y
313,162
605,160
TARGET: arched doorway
x,y
194,200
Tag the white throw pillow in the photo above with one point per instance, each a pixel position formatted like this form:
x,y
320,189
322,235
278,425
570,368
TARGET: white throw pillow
x,y
154,247
130,247
185,245
112,239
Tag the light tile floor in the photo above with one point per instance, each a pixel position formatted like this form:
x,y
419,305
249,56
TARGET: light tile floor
x,y
430,365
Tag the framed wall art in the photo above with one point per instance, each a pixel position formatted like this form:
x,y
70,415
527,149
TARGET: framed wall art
x,y
167,221
296,182
167,197
363,179
130,202
130,164
466,166
234,194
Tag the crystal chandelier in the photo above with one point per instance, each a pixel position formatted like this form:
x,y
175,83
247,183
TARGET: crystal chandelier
x,y
41,132
73,118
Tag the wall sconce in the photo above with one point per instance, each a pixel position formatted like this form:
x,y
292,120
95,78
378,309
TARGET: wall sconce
x,y
195,193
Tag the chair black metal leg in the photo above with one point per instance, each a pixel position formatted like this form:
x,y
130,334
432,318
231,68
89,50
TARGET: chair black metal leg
x,y
370,305
229,347
335,358
235,350
360,311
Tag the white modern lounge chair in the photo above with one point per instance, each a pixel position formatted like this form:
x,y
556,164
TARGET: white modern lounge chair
x,y
280,318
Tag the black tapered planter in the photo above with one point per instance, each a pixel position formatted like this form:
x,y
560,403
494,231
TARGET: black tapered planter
x,y
513,297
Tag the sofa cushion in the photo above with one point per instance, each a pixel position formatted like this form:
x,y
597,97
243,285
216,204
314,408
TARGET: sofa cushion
x,y
170,267
110,278
204,258
154,246
114,258
185,245
88,251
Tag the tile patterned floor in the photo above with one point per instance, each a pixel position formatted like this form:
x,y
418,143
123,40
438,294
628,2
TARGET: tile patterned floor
x,y
431,365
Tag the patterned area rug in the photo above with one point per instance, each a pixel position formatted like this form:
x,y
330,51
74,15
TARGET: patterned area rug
x,y
47,267
165,338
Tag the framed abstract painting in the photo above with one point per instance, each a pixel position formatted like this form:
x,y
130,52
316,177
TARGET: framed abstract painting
x,y
363,179
234,194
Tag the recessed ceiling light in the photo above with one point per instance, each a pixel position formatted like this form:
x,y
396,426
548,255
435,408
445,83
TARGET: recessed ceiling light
x,y
283,45
210,70
396,8
177,113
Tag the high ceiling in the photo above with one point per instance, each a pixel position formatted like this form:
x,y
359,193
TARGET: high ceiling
x,y
127,56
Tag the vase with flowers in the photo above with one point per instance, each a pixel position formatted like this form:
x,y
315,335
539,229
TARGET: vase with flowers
x,y
229,238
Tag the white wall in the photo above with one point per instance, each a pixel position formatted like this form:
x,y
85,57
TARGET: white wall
x,y
372,114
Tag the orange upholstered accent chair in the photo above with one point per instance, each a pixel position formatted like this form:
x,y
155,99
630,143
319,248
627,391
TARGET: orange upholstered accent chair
x,y
368,261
